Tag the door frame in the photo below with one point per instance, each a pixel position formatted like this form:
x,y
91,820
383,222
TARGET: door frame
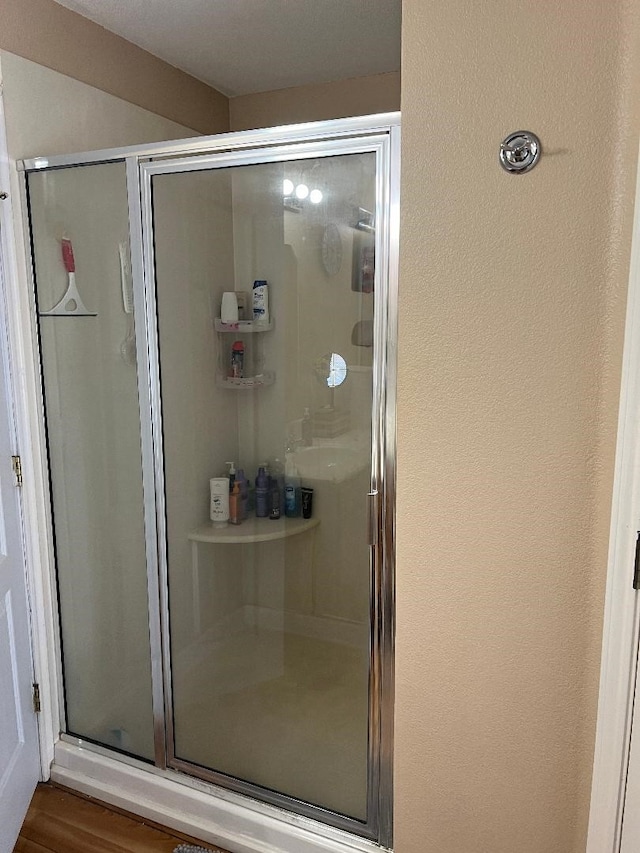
x,y
32,505
619,658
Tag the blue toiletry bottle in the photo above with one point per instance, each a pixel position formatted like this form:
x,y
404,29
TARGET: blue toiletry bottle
x,y
292,493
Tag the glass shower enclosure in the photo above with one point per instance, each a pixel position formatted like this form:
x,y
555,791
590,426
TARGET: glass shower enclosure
x,y
221,461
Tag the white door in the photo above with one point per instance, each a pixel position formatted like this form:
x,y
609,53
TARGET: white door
x,y
630,838
19,750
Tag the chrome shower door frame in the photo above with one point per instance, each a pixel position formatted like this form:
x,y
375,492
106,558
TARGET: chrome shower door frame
x,y
379,134
384,143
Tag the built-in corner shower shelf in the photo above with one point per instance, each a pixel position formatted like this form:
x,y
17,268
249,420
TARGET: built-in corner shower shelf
x,y
253,530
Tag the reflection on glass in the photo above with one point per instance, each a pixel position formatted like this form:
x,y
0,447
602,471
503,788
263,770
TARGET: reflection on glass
x,y
270,616
337,370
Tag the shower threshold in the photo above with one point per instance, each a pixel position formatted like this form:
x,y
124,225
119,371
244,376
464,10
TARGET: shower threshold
x,y
194,807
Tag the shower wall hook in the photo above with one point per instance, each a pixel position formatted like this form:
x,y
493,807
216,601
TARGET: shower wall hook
x,y
520,152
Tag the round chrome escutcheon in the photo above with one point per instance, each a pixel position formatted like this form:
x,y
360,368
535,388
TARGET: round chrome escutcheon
x,y
520,151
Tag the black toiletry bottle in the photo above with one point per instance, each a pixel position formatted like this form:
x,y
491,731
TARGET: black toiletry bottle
x,y
276,508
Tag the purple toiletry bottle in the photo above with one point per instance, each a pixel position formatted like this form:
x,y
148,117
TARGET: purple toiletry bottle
x,y
244,493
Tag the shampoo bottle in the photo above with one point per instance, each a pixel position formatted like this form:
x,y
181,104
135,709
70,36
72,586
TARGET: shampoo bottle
x,y
260,302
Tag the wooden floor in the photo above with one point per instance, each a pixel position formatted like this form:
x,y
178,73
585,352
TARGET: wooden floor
x,y
61,821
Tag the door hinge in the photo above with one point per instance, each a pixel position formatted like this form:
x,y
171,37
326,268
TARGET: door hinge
x,y
16,464
36,698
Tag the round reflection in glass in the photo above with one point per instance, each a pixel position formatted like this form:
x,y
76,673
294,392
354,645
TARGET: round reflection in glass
x,y
337,370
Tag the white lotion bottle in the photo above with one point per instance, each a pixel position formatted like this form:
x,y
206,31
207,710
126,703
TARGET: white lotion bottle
x,y
229,307
219,506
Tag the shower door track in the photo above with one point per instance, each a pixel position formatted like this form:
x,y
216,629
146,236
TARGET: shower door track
x,y
74,756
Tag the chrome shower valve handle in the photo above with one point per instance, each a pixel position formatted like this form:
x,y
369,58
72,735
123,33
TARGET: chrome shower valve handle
x,y
520,151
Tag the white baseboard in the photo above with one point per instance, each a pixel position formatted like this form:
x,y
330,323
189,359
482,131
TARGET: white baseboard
x,y
236,823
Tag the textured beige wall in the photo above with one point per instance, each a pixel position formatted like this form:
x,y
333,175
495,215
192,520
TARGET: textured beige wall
x,y
50,113
51,35
357,96
512,298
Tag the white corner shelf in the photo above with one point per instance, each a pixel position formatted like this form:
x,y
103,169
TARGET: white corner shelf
x,y
253,362
242,327
252,530
247,382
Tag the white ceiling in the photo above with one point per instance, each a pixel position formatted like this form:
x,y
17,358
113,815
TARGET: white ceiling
x,y
243,46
